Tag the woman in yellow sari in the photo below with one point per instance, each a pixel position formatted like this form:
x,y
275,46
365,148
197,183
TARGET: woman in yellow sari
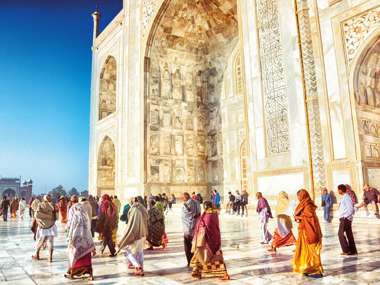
x,y
307,257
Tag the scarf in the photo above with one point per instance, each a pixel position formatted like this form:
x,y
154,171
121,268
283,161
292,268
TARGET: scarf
x,y
45,215
137,226
107,208
282,203
306,213
263,203
79,237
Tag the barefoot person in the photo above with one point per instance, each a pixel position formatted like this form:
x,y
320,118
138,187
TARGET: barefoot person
x,y
45,216
62,206
207,258
80,243
283,235
265,213
134,237
307,257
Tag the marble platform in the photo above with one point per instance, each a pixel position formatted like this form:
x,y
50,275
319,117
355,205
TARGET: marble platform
x,y
247,260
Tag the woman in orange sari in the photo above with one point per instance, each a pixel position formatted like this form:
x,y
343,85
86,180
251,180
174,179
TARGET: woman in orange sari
x,y
208,259
62,206
307,257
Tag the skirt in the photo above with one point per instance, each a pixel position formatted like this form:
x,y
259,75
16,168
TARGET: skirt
x,y
81,267
307,257
204,266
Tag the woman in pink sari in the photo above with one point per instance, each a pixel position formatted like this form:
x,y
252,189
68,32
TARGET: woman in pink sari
x,y
208,259
80,244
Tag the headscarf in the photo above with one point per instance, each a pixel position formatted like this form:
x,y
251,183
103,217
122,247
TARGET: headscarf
x,y
308,217
282,203
106,206
79,236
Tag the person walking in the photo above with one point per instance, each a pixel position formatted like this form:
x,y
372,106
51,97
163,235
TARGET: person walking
x,y
80,243
265,213
156,226
307,256
134,237
21,208
107,223
62,206
207,260
237,203
4,208
327,204
46,216
346,215
190,215
215,199
283,235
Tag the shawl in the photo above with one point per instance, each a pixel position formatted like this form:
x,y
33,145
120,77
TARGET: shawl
x,y
306,214
137,226
79,237
45,215
282,203
263,203
107,208
209,223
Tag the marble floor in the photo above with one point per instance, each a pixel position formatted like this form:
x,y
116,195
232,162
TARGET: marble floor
x,y
247,261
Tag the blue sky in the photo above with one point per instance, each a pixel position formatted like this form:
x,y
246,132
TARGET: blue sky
x,y
45,73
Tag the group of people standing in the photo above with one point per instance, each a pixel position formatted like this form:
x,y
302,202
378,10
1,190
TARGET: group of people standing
x,y
237,204
14,205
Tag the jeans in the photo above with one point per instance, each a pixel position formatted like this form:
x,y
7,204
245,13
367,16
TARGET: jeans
x,y
326,213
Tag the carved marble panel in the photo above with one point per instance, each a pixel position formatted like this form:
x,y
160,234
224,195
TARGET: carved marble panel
x,y
367,80
273,77
357,29
107,88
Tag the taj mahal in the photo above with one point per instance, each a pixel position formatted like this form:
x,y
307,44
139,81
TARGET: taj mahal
x,y
256,95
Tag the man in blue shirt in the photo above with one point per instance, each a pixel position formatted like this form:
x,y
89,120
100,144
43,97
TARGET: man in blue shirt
x,y
346,214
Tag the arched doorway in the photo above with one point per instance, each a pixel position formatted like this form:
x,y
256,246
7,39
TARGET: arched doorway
x,y
187,55
106,168
10,193
107,88
366,85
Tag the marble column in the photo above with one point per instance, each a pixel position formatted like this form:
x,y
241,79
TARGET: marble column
x,y
311,95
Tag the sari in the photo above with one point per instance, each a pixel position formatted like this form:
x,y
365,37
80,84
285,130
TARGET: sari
x,y
208,258
307,257
62,206
265,213
283,235
107,224
80,243
156,226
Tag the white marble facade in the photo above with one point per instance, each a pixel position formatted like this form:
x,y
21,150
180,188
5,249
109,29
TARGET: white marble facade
x,y
213,95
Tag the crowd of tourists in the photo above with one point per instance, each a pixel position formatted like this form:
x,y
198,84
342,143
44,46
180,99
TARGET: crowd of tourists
x,y
144,218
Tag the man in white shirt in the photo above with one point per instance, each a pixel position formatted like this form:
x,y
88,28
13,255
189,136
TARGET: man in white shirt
x,y
346,213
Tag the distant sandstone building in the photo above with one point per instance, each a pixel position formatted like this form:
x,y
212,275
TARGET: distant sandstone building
x,y
263,95
12,187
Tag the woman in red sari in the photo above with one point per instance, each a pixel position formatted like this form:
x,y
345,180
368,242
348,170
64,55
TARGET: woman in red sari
x,y
80,243
208,259
62,206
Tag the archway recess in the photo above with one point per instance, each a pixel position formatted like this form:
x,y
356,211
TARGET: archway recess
x,y
106,168
107,88
186,59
